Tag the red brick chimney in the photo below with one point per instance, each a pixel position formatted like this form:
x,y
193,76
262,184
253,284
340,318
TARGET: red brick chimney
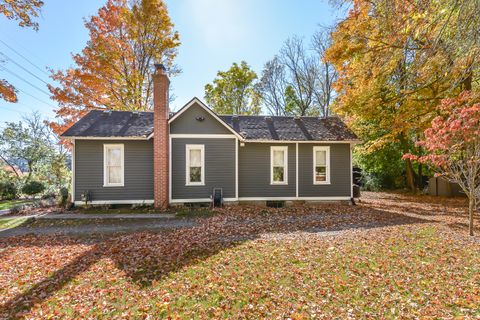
x,y
160,137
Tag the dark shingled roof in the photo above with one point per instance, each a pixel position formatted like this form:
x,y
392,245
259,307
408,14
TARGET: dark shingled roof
x,y
120,124
290,128
99,123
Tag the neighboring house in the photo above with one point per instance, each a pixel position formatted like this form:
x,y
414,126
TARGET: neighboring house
x,y
162,158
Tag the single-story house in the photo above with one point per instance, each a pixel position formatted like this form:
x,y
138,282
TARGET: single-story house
x,y
168,158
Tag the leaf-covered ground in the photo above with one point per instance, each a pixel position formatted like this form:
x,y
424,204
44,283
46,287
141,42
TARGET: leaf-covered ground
x,y
391,256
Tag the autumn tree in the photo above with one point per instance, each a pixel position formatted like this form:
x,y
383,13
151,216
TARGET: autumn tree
x,y
114,70
453,146
396,60
23,11
28,142
233,91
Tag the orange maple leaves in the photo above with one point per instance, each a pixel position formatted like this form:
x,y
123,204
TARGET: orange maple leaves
x,y
7,91
114,69
23,11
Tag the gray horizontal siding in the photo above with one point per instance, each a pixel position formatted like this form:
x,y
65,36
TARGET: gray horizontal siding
x,y
138,172
340,171
254,172
187,123
219,168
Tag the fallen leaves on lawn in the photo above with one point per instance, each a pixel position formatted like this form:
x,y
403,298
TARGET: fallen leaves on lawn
x,y
250,262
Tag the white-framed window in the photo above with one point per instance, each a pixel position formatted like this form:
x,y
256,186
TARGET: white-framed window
x,y
113,165
321,165
278,165
195,164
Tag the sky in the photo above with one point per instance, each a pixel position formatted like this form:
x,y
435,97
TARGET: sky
x,y
214,34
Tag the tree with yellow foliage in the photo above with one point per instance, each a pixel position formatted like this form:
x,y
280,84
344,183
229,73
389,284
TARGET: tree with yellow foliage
x,y
396,60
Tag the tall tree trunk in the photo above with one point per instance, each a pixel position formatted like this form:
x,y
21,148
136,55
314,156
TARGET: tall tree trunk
x,y
410,175
30,171
471,209
467,83
420,177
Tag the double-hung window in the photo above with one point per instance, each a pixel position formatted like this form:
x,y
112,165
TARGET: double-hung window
x,y
195,162
113,165
279,165
321,165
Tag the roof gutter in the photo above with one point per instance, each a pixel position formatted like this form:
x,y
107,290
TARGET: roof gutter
x,y
354,142
104,138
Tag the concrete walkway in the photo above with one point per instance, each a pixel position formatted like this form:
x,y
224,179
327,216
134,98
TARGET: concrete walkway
x,y
88,226
75,216
70,216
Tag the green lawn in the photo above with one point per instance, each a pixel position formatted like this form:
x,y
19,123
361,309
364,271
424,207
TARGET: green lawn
x,y
6,223
8,204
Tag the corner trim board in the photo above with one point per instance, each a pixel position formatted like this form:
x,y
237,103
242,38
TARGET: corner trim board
x,y
296,169
169,166
73,171
351,173
236,168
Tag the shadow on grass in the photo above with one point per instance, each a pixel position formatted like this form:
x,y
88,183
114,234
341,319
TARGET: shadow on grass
x,y
146,257
422,205
464,227
7,223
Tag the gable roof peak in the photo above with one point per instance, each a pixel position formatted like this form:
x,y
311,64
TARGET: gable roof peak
x,y
196,100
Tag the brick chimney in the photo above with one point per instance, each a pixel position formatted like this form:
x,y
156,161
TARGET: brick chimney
x,y
160,137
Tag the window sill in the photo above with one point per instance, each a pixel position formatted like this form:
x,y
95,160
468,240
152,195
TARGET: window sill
x,y
194,184
279,183
321,183
113,185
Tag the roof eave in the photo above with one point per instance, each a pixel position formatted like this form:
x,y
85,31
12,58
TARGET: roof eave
x,y
103,138
302,141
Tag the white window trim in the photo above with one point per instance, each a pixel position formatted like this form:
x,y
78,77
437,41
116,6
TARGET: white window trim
x,y
189,147
122,161
285,161
327,162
